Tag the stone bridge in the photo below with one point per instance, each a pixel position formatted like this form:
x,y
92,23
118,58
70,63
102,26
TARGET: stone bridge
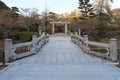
x,y
61,59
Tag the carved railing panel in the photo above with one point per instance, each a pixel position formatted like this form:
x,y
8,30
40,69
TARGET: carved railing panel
x,y
32,47
84,43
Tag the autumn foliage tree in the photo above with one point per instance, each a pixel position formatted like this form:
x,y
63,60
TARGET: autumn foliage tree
x,y
8,21
13,21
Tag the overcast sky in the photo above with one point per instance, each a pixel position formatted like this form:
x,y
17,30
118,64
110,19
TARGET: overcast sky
x,y
58,6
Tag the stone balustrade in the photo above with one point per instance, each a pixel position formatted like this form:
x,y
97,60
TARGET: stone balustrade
x,y
33,47
84,43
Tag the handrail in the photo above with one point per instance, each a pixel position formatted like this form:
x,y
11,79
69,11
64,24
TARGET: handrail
x,y
33,47
22,44
84,43
97,44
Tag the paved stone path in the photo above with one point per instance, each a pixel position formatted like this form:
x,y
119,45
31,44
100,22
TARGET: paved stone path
x,y
60,59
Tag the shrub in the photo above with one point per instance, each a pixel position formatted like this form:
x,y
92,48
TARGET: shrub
x,y
50,32
111,28
33,29
25,36
14,35
23,29
97,38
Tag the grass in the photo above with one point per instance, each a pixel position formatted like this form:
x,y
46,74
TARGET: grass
x,y
101,50
21,50
98,49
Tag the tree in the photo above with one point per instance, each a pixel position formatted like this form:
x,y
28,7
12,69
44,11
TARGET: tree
x,y
116,13
3,6
15,9
25,11
74,24
103,15
86,9
14,13
102,6
116,18
8,20
53,15
75,14
45,20
30,18
87,18
8,23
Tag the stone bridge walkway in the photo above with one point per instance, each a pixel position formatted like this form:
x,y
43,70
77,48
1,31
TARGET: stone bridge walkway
x,y
60,59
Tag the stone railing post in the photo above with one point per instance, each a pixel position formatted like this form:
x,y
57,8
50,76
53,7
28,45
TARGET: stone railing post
x,y
85,46
113,49
71,34
8,50
79,32
43,33
40,32
76,34
47,34
72,38
34,37
47,37
43,39
85,37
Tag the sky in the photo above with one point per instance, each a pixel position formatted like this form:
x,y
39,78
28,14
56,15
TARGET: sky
x,y
57,6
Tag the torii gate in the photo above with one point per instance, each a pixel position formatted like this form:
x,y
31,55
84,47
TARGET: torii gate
x,y
66,26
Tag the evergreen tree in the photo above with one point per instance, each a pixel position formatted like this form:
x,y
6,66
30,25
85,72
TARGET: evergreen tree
x,y
86,9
